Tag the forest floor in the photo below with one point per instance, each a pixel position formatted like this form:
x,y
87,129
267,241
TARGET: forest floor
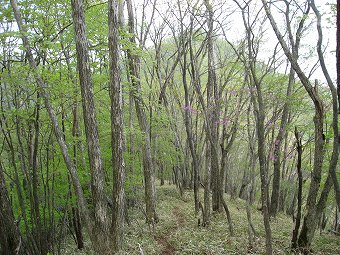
x,y
178,233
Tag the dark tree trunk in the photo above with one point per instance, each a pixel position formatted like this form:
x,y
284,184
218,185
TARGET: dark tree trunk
x,y
77,228
188,119
335,113
161,169
274,201
226,209
37,228
213,111
10,240
338,51
259,113
299,195
306,234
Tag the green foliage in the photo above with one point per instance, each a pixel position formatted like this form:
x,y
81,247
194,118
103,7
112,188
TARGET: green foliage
x,y
50,31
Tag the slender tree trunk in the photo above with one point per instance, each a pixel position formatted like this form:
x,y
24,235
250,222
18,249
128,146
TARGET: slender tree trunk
x,y
188,128
213,110
263,172
37,229
207,183
274,201
259,112
77,227
132,199
226,209
75,134
299,196
149,175
117,137
338,52
306,234
188,119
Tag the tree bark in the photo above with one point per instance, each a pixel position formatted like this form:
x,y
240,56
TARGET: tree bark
x,y
335,113
338,51
91,127
187,115
117,137
213,111
299,196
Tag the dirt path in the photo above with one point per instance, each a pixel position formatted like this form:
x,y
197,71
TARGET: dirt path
x,y
163,240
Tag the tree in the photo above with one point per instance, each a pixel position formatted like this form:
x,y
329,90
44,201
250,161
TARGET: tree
x,y
335,109
91,129
295,44
53,117
299,172
117,136
256,81
314,207
212,104
134,69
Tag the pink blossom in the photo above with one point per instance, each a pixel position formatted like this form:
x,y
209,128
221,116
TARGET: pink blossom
x,y
189,108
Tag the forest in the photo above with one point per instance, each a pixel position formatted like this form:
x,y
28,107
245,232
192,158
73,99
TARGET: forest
x,y
169,127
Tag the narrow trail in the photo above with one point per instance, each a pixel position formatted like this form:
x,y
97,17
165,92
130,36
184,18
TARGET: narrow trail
x,y
163,240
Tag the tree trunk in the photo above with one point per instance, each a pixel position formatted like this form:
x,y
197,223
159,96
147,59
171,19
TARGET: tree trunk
x,y
299,196
188,119
37,228
77,227
309,223
213,111
10,240
117,137
274,201
338,51
188,128
259,112
207,184
91,128
149,175
335,112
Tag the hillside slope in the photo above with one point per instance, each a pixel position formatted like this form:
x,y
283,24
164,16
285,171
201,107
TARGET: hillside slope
x,y
178,231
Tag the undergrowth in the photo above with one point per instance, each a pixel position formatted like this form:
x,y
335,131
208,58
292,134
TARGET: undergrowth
x,y
181,231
